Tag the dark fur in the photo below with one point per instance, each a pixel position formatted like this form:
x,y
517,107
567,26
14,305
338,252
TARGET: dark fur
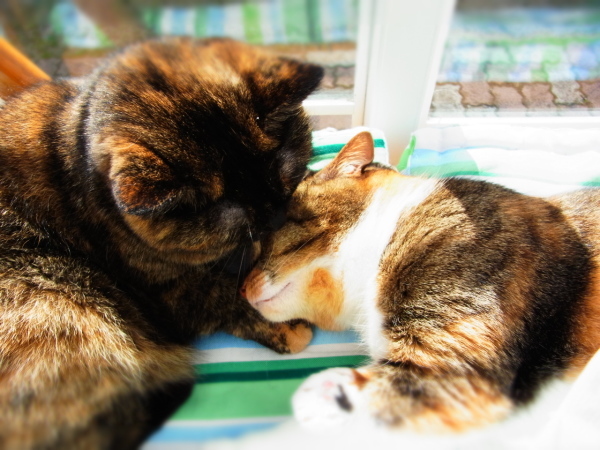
x,y
129,206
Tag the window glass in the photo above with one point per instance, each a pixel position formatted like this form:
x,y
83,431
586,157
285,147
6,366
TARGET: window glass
x,y
71,37
521,58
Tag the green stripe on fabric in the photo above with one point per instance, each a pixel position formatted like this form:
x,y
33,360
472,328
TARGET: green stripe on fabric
x,y
449,169
274,365
335,148
295,21
259,376
150,18
539,75
235,400
314,20
56,22
592,183
103,40
464,173
446,172
251,18
237,390
407,153
256,372
201,21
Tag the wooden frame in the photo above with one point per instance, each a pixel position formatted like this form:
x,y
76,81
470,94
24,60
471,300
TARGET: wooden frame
x,y
16,70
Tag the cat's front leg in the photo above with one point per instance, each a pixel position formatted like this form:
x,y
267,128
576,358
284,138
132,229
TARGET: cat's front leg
x,y
202,307
395,396
285,337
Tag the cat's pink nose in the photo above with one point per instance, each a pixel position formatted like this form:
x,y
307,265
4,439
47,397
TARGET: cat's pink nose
x,y
252,287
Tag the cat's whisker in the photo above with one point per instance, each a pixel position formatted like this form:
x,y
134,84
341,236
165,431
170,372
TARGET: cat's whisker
x,y
241,265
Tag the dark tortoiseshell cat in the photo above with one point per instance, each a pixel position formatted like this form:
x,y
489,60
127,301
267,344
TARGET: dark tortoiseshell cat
x,y
469,296
129,203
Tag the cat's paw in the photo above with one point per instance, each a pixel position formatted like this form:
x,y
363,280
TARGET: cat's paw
x,y
297,335
286,337
330,398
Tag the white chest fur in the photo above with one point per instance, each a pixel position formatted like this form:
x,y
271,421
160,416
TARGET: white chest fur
x,y
359,256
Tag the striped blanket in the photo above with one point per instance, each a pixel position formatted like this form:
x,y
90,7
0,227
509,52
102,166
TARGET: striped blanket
x,y
523,45
243,387
257,22
528,61
535,161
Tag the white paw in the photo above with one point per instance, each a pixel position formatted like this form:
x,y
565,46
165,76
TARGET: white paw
x,y
328,399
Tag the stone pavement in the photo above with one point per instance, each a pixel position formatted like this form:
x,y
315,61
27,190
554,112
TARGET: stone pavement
x,y
505,98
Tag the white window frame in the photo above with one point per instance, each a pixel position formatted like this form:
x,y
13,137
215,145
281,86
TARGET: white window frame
x,y
400,46
399,50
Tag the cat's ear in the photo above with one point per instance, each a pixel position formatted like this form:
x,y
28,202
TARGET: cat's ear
x,y
352,159
299,79
141,182
285,81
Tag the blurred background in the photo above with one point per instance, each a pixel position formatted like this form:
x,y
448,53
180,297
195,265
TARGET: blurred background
x,y
501,56
71,37
536,57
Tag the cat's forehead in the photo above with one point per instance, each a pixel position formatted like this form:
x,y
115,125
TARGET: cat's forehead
x,y
314,190
175,69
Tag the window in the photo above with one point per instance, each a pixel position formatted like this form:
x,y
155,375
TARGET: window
x,y
392,65
71,37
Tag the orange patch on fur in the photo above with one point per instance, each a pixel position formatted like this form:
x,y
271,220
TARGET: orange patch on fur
x,y
405,349
476,338
384,179
361,377
470,409
325,296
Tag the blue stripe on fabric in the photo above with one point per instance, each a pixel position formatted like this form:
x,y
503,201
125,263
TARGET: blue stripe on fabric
x,y
320,337
215,25
338,16
422,157
178,16
205,433
275,18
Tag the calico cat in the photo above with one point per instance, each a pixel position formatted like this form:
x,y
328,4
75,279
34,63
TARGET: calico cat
x,y
131,202
469,296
